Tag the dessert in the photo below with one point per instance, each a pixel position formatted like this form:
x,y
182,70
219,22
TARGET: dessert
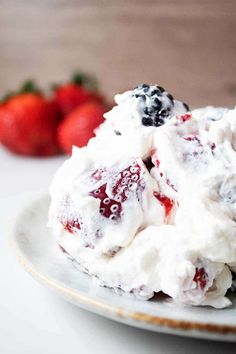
x,y
148,205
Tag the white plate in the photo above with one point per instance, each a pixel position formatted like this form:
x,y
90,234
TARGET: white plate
x,y
38,253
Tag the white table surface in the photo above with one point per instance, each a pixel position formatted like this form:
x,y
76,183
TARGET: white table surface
x,y
34,320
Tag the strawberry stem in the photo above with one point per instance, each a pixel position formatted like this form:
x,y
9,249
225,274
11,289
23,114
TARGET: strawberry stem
x,y
83,79
28,86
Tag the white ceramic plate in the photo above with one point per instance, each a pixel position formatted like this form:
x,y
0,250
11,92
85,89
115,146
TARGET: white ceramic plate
x,y
38,253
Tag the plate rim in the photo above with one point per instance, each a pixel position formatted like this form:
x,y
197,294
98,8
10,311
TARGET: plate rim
x,y
117,311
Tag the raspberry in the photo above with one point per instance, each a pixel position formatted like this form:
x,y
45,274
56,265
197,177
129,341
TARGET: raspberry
x,y
200,278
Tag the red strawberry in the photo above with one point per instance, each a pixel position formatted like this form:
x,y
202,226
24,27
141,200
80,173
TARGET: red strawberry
x,y
79,90
69,96
109,208
78,127
112,208
28,125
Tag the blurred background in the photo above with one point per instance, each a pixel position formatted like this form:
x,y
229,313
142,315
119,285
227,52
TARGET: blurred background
x,y
187,46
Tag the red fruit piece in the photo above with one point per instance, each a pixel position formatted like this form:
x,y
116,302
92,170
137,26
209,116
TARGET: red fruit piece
x,y
128,179
165,201
126,183
78,127
71,225
184,117
109,208
28,125
200,278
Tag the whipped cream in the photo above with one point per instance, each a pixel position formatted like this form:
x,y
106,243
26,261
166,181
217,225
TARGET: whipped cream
x,y
151,207
125,120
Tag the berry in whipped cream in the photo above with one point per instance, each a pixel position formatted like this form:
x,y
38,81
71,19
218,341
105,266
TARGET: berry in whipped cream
x,y
156,105
146,210
124,184
106,197
200,278
135,118
204,280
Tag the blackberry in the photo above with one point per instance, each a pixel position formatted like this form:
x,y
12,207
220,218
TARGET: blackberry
x,y
154,92
156,105
158,121
148,122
